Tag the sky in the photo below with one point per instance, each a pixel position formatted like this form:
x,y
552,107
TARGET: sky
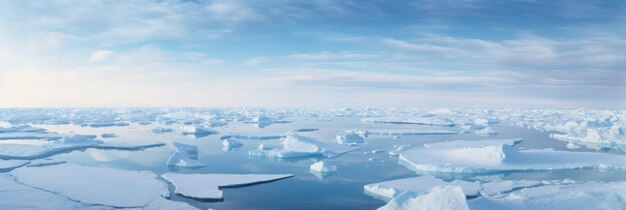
x,y
316,53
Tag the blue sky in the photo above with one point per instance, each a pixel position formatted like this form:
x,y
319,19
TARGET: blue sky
x,y
472,53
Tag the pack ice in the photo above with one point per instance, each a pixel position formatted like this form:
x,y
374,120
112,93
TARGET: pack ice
x,y
388,190
500,155
295,145
206,186
184,155
442,197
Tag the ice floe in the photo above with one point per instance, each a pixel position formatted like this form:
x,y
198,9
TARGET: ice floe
x,y
108,135
161,130
352,137
295,145
494,156
252,137
390,189
409,132
417,121
322,169
100,186
198,131
486,131
305,129
207,186
443,197
15,195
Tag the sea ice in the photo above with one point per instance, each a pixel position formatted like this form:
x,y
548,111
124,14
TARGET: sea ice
x,y
161,130
198,131
47,136
417,121
128,145
251,137
408,132
506,186
486,131
389,189
443,197
322,169
45,162
305,129
206,186
15,195
294,145
99,186
493,156
108,135
399,148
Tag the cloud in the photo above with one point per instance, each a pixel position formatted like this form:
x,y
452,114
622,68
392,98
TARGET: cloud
x,y
100,55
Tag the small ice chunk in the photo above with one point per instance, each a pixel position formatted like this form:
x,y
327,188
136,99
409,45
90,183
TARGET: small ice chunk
x,y
198,130
322,167
230,145
8,165
294,146
108,135
376,151
389,189
206,186
352,137
443,197
399,148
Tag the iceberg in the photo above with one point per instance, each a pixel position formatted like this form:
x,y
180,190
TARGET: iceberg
x,y
207,186
8,165
185,156
486,131
111,188
445,197
322,169
297,146
230,145
198,130
388,190
494,156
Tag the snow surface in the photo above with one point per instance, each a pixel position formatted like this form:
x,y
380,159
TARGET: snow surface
x,y
206,186
444,197
389,189
100,186
491,156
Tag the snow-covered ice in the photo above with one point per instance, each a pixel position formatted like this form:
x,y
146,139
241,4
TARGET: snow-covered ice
x,y
389,189
443,197
7,165
493,156
206,186
99,186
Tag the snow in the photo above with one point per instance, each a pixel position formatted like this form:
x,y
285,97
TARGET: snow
x,y
230,145
506,186
446,197
352,137
185,156
295,145
486,131
564,195
490,156
322,169
389,189
18,196
99,186
207,186
8,165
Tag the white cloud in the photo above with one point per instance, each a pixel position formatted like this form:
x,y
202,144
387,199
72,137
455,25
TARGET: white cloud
x,y
100,55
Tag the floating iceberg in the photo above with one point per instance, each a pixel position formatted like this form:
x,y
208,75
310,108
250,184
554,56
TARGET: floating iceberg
x,y
206,186
445,197
8,165
107,187
294,146
494,156
322,169
198,131
352,137
391,189
185,156
486,131
417,121
230,145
